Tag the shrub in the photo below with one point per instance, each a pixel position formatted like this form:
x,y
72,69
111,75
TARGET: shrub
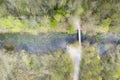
x,y
96,67
25,66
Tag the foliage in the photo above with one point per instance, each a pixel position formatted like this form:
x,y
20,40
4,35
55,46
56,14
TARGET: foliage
x,y
25,66
61,67
33,14
11,23
71,29
105,26
101,67
93,14
39,7
90,65
100,15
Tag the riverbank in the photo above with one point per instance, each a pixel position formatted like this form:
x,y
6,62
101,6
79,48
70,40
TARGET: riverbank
x,y
43,43
11,24
25,66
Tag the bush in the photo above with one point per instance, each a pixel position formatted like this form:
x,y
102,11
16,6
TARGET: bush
x,y
11,24
96,67
62,67
25,66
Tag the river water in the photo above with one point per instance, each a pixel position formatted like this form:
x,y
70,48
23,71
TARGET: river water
x,y
42,43
51,42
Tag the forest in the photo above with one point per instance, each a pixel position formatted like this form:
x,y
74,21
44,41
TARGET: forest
x,y
36,34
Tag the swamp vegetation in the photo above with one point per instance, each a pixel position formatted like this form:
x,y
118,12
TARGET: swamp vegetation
x,y
50,28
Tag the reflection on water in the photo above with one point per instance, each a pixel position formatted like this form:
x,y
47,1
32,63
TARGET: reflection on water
x,y
42,43
51,42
